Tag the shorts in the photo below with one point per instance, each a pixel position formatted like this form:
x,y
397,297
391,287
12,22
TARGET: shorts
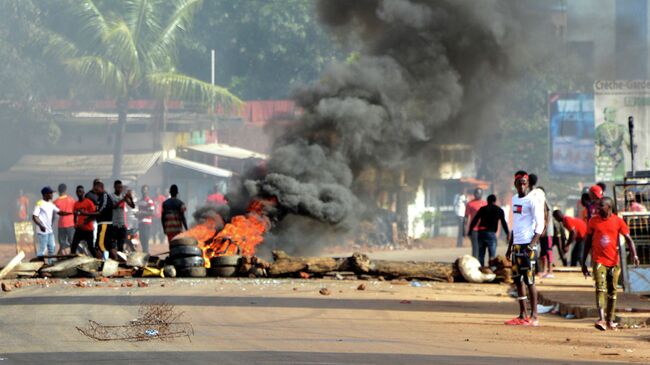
x,y
524,258
104,241
65,236
118,236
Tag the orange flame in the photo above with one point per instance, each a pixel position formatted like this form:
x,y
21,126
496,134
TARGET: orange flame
x,y
239,237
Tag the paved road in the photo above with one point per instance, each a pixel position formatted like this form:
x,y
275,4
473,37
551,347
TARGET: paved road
x,y
266,358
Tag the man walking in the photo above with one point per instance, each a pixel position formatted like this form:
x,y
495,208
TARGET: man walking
x,y
470,211
602,241
119,202
577,232
146,210
65,227
489,216
527,227
173,214
84,225
43,216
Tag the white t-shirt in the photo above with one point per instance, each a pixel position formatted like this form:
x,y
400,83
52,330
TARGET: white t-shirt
x,y
528,219
460,201
45,211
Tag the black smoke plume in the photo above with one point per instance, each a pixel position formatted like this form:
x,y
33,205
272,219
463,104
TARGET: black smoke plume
x,y
425,72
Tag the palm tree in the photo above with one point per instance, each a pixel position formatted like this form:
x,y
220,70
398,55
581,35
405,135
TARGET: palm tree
x,y
129,48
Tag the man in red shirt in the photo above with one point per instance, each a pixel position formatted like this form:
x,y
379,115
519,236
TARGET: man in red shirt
x,y
216,197
22,206
603,232
83,226
146,210
156,227
577,232
470,212
65,228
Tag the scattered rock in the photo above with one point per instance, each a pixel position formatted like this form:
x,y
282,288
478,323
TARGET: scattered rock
x,y
361,287
127,284
324,291
568,340
295,289
6,287
405,302
142,284
305,275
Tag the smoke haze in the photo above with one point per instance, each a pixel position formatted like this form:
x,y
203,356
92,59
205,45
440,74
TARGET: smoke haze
x,y
425,71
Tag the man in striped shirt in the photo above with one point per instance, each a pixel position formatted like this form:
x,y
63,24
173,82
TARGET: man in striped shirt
x,y
173,214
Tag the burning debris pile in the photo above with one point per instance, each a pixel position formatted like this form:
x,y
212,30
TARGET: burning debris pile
x,y
158,321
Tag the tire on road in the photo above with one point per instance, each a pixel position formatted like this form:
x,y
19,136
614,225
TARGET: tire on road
x,y
222,271
191,272
233,260
185,251
183,241
188,262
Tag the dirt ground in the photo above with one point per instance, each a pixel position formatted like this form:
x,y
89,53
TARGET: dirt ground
x,y
264,321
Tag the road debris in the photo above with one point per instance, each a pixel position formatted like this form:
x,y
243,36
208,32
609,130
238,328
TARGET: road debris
x,y
324,291
158,321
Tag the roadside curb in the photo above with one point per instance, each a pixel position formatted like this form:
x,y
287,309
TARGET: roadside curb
x,y
625,316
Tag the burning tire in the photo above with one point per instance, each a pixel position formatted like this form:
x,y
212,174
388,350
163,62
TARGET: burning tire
x,y
188,262
185,251
191,272
233,260
222,271
183,241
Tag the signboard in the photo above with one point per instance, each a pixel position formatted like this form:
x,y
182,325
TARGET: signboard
x,y
614,102
24,232
571,132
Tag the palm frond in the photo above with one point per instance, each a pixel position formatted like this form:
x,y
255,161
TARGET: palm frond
x,y
122,50
92,22
164,46
173,85
143,19
101,70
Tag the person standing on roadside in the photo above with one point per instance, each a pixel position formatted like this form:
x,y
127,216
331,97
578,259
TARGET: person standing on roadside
x,y
603,232
104,220
120,201
83,226
595,194
470,211
460,202
65,227
22,206
527,227
489,216
146,210
173,215
156,227
43,217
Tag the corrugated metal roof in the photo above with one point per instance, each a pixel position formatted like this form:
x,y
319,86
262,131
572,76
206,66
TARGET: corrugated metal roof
x,y
80,166
199,167
220,149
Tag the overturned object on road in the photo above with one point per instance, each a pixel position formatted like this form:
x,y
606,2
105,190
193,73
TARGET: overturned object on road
x,y
470,268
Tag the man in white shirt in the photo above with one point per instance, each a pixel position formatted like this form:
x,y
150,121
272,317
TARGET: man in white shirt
x,y
460,200
43,216
527,227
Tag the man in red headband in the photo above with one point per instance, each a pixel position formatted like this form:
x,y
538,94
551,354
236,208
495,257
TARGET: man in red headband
x,y
528,225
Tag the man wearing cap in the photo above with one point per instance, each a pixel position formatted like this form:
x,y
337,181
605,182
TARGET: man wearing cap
x,y
43,217
527,227
595,194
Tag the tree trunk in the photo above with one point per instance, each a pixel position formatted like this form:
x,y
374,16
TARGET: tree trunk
x,y
118,152
286,265
160,124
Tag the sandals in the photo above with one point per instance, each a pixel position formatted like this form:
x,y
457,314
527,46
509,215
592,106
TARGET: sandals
x,y
531,322
601,325
613,326
517,321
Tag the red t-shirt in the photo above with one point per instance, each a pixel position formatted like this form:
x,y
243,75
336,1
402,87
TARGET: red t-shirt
x,y
85,206
217,198
604,242
65,204
471,209
579,225
160,199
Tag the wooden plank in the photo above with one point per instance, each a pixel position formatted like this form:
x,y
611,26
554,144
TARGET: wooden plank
x,y
10,266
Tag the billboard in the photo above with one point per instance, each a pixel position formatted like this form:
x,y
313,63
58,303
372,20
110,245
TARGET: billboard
x,y
571,132
614,102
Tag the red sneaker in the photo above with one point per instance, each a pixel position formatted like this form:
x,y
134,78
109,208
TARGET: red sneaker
x,y
516,321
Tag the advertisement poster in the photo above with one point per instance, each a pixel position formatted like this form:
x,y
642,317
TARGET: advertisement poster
x,y
614,102
571,131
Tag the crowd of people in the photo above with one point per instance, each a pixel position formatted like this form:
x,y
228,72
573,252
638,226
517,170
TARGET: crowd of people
x,y
537,229
102,224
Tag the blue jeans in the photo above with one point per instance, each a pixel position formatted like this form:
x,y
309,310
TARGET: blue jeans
x,y
473,236
45,243
486,240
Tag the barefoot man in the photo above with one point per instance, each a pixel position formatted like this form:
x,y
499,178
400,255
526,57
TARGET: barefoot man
x,y
528,225
603,232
